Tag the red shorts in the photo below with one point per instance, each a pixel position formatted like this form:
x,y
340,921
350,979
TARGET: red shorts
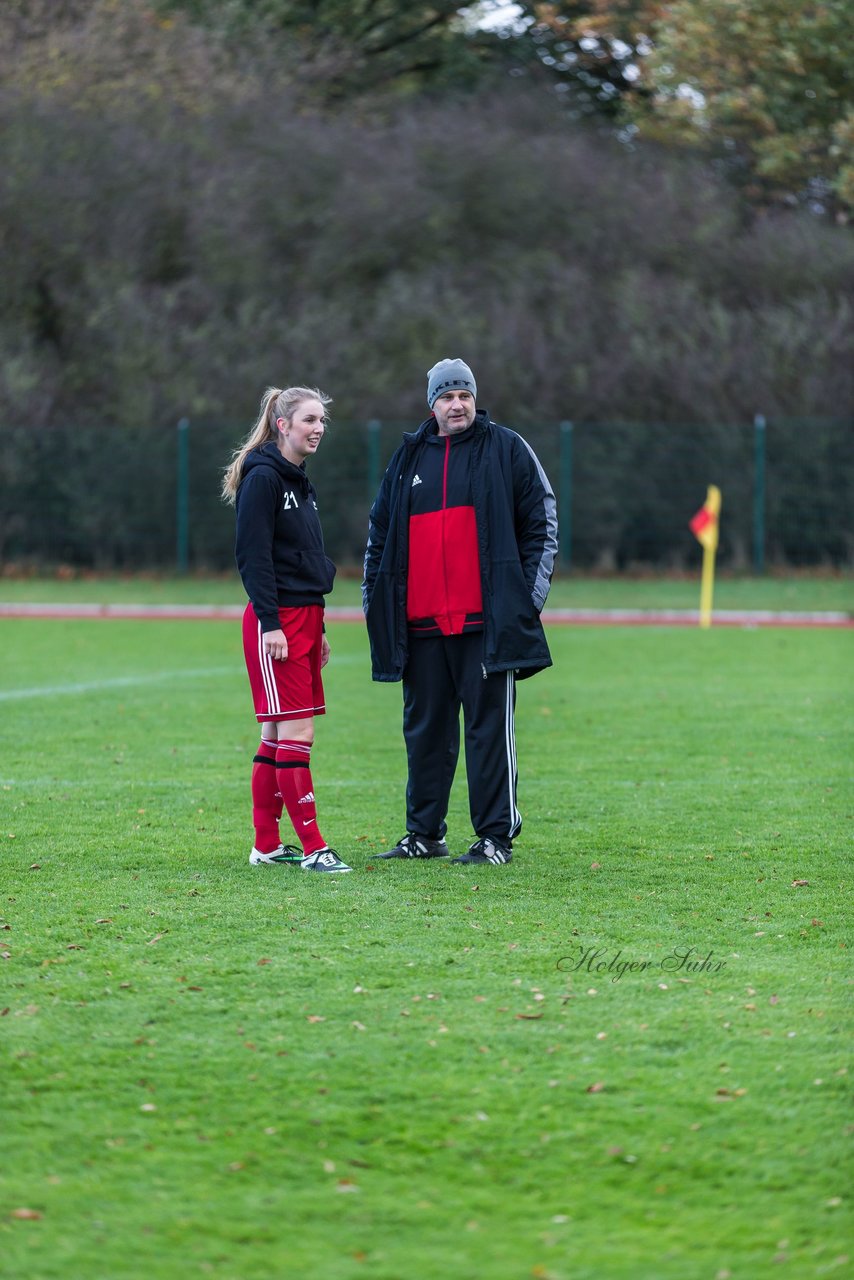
x,y
293,689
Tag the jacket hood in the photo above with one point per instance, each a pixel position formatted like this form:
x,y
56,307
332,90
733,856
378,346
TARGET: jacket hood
x,y
269,456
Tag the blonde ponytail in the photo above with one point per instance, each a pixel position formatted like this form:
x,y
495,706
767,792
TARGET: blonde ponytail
x,y
275,403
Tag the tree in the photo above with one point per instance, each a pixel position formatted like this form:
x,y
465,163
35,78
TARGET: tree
x,y
352,48
98,55
765,85
592,49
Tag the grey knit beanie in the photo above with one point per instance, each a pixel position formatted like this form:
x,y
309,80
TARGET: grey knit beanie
x,y
449,375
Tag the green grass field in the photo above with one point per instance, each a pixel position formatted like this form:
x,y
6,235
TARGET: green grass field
x,y
419,1071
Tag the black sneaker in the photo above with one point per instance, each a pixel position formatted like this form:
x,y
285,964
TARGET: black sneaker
x,y
487,849
324,860
412,846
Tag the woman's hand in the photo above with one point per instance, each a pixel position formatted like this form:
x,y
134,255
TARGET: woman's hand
x,y
276,645
324,651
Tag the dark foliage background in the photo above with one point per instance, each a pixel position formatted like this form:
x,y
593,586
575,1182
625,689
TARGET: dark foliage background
x,y
172,251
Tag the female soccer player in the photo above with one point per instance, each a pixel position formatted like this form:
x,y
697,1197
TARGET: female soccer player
x,y
286,574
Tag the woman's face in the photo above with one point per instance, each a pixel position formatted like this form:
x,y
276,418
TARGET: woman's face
x,y
300,434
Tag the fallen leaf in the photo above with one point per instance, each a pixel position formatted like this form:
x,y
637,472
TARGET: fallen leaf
x,y
156,938
359,1026
315,1017
346,1185
28,1215
598,1087
105,920
265,960
35,866
530,1017
817,924
799,884
773,999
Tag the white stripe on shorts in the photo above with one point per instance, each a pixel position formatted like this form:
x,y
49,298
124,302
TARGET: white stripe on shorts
x,y
274,707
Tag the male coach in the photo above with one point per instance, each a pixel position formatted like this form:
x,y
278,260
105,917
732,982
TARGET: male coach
x,y
461,548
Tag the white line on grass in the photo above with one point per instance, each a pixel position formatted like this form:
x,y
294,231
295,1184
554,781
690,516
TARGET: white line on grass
x,y
130,682
115,682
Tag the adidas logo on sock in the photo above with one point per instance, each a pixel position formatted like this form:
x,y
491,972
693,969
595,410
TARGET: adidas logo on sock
x,y
307,799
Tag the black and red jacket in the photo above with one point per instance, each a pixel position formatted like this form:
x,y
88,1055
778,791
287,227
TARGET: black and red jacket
x,y
443,589
514,516
278,540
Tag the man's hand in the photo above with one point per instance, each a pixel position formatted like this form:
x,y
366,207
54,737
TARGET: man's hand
x,y
324,651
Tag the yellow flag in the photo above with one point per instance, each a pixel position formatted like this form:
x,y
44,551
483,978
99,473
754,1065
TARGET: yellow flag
x,y
704,525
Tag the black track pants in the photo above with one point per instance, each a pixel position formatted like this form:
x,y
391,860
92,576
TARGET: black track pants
x,y
442,675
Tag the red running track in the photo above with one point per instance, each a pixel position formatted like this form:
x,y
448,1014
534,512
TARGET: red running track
x,y
560,617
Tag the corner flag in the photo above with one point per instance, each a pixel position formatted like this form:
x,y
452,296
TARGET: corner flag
x,y
704,526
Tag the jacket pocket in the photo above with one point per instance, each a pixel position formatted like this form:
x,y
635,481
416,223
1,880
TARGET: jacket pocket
x,y
316,571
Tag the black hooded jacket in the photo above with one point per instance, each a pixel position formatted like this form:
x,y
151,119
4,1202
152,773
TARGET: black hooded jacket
x,y
515,517
279,542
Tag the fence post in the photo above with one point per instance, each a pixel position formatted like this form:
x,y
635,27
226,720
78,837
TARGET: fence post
x,y
373,458
183,497
565,514
759,495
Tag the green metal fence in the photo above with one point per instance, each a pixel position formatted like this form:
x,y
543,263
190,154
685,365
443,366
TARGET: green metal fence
x,y
108,499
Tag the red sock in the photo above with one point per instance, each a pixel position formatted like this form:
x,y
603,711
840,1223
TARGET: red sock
x,y
297,788
266,801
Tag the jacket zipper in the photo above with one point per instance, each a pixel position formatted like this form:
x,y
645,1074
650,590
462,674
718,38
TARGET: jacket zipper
x,y
444,507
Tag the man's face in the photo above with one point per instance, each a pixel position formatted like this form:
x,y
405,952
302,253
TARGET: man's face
x,y
454,411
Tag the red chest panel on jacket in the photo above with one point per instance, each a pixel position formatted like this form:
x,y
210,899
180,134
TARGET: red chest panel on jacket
x,y
443,582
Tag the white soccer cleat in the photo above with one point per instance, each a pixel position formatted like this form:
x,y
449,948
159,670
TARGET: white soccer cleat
x,y
285,853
